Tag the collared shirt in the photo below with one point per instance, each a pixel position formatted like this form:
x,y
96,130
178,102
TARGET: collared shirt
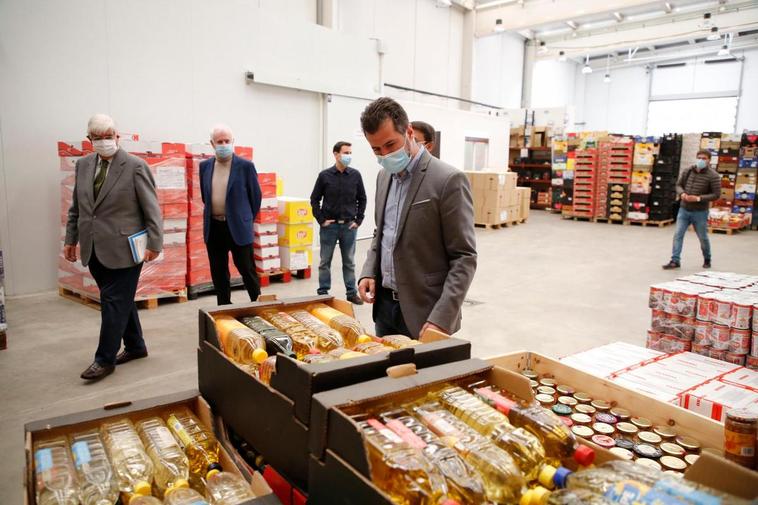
x,y
399,185
339,196
98,167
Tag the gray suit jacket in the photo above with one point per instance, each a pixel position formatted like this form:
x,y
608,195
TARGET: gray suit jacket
x,y
435,253
127,203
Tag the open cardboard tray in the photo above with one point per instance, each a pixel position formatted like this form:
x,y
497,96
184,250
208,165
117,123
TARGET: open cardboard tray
x,y
141,409
708,432
274,418
339,471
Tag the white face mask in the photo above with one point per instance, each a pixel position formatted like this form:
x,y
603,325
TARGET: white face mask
x,y
105,147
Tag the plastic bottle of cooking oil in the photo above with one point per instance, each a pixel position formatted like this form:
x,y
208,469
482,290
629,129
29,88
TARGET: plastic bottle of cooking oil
x,y
226,488
277,342
199,444
171,464
318,358
399,469
464,484
525,448
399,341
250,350
185,497
267,369
555,436
240,342
342,353
503,481
144,500
541,496
56,481
372,348
328,338
303,340
133,467
97,483
349,327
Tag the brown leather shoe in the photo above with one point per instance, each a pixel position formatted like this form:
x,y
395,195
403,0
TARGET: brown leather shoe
x,y
96,371
126,356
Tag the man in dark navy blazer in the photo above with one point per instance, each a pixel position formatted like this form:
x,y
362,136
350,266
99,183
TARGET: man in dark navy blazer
x,y
232,197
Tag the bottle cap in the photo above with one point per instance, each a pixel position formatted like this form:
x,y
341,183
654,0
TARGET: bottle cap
x,y
259,356
546,476
534,496
179,484
313,350
561,474
584,455
143,488
363,339
213,469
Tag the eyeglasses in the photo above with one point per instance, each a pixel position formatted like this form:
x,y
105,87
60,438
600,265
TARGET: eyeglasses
x,y
101,137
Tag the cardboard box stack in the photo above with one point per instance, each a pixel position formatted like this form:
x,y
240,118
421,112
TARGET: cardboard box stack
x,y
642,179
266,239
496,200
560,166
615,172
710,313
295,230
3,320
585,183
665,174
746,177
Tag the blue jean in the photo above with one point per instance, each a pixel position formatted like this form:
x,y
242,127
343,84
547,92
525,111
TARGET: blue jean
x,y
699,220
329,237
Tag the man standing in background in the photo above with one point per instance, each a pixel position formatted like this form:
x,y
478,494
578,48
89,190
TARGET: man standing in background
x,y
424,135
339,204
697,187
232,197
114,198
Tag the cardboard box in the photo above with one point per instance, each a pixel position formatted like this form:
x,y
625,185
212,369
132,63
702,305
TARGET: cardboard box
x,y
161,406
267,240
296,258
295,210
267,217
266,252
714,399
294,235
274,418
494,195
524,196
269,264
265,229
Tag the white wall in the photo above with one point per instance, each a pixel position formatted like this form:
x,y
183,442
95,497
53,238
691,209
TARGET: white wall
x,y
553,83
498,70
619,106
747,115
168,70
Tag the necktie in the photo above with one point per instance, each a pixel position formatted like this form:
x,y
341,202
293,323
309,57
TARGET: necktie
x,y
100,177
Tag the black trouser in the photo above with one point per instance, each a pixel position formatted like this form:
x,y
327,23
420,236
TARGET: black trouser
x,y
388,318
119,318
220,244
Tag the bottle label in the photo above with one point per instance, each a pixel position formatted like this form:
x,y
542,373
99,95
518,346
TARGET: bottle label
x,y
686,493
501,403
385,431
43,460
82,455
406,434
163,438
181,433
635,493
199,502
439,425
739,444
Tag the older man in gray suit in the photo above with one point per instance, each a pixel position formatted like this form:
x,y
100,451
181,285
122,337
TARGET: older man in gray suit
x,y
114,198
423,255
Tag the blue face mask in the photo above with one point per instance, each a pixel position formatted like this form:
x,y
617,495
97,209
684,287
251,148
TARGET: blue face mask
x,y
346,159
701,164
396,162
224,151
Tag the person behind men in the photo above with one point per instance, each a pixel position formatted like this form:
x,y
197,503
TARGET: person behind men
x,y
114,197
424,135
423,256
232,197
697,186
339,204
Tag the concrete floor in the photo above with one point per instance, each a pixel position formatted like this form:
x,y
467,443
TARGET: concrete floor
x,y
552,286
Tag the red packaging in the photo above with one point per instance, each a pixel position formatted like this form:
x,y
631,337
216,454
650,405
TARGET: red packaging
x,y
267,216
755,319
739,341
654,339
719,336
703,307
717,354
752,362
741,314
683,328
659,321
720,310
737,359
754,344
656,297
674,344
702,333
700,349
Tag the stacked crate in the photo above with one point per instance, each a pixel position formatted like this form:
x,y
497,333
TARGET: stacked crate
x,y
642,179
266,239
745,182
615,171
567,193
665,173
295,230
585,183
560,158
3,320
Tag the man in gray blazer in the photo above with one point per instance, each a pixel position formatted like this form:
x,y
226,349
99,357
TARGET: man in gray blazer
x,y
114,197
423,255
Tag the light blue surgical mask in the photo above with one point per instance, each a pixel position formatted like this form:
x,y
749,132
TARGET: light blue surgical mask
x,y
701,164
224,151
346,159
396,162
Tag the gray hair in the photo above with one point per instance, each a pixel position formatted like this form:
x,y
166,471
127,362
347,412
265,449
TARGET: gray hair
x,y
100,124
221,128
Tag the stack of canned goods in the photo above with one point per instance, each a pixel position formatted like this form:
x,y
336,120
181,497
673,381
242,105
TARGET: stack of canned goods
x,y
615,428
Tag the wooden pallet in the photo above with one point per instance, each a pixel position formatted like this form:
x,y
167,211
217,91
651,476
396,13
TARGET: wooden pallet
x,y
497,226
609,220
179,296
579,218
659,224
282,276
727,231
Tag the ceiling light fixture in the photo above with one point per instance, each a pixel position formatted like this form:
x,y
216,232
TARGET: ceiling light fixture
x,y
499,25
587,69
543,47
619,17
562,56
607,76
714,33
725,49
668,7
572,24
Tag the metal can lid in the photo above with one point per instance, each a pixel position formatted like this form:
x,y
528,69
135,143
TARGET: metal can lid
x,y
585,409
582,397
622,453
625,443
649,437
742,415
673,463
641,422
691,458
621,414
580,418
582,431
529,374
604,441
604,417
565,390
601,405
627,428
672,449
649,463
567,421
547,381
562,410
647,451
544,399
688,443
546,390
534,384
665,432
603,428
567,400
